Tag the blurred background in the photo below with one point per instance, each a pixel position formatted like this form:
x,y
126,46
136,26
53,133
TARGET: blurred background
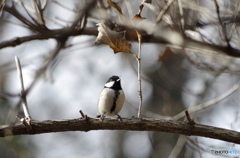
x,y
73,71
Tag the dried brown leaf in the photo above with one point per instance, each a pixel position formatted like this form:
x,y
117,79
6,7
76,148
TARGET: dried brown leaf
x,y
116,40
138,16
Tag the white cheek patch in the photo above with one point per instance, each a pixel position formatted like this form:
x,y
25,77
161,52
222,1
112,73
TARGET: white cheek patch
x,y
109,84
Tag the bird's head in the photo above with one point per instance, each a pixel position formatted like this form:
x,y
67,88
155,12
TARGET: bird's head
x,y
113,82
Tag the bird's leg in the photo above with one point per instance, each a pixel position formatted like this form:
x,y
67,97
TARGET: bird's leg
x,y
98,116
101,117
119,118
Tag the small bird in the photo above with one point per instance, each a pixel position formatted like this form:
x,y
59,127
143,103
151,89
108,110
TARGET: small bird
x,y
111,98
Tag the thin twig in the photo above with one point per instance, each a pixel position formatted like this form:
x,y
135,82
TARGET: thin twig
x,y
234,25
221,23
129,8
139,73
181,14
163,11
190,120
43,69
29,14
83,10
61,41
26,123
85,117
12,10
22,91
41,7
138,57
82,114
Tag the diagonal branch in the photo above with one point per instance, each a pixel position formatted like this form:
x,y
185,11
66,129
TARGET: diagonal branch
x,y
48,35
143,124
180,7
209,103
164,10
22,90
221,23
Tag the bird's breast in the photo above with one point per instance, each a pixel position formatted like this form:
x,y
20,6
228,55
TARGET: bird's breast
x,y
110,101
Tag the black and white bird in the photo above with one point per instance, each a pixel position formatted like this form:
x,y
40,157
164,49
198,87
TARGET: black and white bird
x,y
111,98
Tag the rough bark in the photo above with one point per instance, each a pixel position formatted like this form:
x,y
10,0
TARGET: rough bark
x,y
135,124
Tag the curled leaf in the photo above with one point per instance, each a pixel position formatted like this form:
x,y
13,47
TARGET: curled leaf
x,y
113,37
138,16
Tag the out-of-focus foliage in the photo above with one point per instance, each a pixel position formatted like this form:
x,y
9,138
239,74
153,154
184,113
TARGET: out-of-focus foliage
x,y
55,41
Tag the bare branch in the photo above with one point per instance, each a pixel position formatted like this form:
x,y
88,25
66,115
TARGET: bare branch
x,y
139,74
83,10
47,35
143,124
26,123
60,45
189,119
22,90
208,103
39,10
24,20
139,35
189,44
164,10
221,23
180,7
178,147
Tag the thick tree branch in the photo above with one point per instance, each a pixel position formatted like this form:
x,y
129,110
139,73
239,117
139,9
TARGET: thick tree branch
x,y
88,124
48,35
147,38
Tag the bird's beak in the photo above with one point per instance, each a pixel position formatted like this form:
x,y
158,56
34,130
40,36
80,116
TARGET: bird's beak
x,y
118,79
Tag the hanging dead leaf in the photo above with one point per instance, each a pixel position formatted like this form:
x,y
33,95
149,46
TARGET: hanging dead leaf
x,y
137,19
115,39
138,16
